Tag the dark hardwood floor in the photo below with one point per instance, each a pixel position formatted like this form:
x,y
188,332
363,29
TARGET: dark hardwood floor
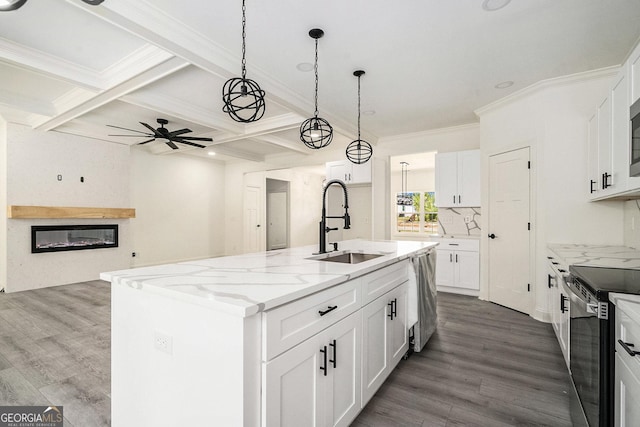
x,y
485,366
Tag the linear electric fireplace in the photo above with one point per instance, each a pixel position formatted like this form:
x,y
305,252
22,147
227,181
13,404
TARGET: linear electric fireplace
x,y
52,238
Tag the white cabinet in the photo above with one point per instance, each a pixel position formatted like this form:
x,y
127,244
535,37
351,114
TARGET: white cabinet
x,y
458,179
627,369
458,266
316,383
592,154
349,173
558,304
634,74
384,338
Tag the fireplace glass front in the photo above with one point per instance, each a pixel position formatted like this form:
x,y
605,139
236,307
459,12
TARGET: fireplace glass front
x,y
52,238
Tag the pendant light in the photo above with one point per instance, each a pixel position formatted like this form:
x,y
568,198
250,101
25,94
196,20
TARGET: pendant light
x,y
316,132
243,99
359,151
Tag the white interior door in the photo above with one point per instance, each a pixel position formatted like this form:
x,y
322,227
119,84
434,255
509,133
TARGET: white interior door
x,y
277,220
254,212
509,251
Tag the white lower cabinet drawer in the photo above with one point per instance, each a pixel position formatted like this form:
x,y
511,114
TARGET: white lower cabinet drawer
x,y
292,323
628,334
382,281
627,395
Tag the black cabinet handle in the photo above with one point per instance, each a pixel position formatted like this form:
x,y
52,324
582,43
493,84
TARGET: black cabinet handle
x,y
459,199
492,236
323,350
454,199
562,306
456,257
450,257
605,180
335,352
592,190
549,278
329,309
390,314
627,347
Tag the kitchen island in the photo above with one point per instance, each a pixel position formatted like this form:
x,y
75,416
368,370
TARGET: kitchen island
x,y
273,338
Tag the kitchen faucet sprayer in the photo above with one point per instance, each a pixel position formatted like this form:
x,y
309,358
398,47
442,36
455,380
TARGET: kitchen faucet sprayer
x,y
323,222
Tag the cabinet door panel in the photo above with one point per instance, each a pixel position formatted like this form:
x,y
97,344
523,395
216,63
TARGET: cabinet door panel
x,y
605,165
620,133
292,387
343,392
627,393
361,174
374,347
398,336
467,270
444,268
446,179
469,178
338,170
592,166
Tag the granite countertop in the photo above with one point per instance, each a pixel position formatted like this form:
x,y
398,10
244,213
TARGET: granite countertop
x,y
247,284
597,255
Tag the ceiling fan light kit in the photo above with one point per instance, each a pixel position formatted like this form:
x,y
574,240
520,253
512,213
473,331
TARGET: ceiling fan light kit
x,y
243,99
359,151
316,132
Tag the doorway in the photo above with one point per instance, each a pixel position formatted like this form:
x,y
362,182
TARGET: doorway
x,y
509,230
277,214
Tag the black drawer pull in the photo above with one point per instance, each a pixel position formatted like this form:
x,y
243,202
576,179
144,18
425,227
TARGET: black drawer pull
x,y
563,308
549,278
329,309
627,347
323,350
592,190
335,353
390,314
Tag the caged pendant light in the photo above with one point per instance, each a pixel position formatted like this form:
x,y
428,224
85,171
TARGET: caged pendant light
x,y
359,151
316,132
243,99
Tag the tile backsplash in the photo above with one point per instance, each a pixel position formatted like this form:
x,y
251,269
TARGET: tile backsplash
x,y
632,224
459,221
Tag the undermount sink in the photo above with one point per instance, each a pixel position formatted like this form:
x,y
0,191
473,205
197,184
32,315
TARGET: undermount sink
x,y
348,257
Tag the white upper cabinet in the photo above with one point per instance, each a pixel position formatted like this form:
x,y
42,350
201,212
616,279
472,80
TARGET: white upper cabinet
x,y
349,173
605,168
634,74
592,167
458,179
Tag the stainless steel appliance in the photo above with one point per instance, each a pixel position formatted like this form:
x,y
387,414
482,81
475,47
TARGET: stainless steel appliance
x,y
634,144
592,339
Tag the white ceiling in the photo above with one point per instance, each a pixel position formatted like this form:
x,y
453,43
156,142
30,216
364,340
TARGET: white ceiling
x,y
71,67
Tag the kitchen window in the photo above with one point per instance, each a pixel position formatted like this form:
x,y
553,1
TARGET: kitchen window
x,y
416,213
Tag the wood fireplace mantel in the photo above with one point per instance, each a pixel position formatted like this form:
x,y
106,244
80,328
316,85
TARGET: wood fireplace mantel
x,y
61,212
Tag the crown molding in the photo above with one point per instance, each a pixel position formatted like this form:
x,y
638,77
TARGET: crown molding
x,y
544,84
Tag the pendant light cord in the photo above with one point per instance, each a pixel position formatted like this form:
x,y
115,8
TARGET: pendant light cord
x,y
358,110
244,46
316,70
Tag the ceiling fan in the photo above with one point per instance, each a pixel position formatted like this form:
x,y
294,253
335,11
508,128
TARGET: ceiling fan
x,y
163,133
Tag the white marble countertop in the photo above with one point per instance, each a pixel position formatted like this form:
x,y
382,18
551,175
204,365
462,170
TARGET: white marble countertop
x,y
596,255
247,284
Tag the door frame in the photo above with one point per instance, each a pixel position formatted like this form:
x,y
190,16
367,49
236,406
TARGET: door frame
x,y
486,214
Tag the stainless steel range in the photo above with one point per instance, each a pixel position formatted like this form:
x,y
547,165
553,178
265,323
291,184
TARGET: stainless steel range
x,y
592,339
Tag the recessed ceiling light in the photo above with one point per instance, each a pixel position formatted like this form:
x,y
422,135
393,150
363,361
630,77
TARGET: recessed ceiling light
x,y
369,112
211,153
504,85
304,66
492,5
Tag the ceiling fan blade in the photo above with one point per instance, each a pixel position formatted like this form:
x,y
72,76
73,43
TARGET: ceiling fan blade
x,y
148,140
172,145
179,132
131,130
155,132
134,136
181,141
195,138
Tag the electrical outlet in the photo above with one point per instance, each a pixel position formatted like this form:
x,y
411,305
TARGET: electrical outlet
x,y
467,219
163,343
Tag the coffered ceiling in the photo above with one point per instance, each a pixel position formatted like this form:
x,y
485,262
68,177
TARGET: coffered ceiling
x,y
71,67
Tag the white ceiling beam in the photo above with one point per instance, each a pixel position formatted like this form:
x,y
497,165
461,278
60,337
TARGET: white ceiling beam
x,y
27,104
145,78
295,146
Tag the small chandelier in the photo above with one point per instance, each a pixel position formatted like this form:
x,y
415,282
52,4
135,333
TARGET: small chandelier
x,y
243,99
316,132
359,151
